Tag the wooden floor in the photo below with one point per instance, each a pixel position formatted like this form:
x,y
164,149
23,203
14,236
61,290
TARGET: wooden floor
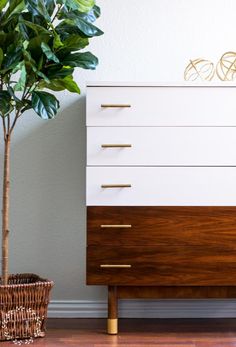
x,y
139,332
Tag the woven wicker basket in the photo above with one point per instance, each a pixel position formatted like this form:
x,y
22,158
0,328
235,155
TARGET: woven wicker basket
x,y
23,304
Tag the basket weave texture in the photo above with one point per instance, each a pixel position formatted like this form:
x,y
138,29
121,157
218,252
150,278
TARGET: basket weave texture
x,y
23,306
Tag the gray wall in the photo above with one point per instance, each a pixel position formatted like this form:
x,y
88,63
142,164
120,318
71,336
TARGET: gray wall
x,y
144,41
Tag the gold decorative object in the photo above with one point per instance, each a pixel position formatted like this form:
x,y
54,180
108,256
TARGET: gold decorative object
x,y
116,186
115,105
204,69
116,145
115,266
226,67
112,326
116,226
199,69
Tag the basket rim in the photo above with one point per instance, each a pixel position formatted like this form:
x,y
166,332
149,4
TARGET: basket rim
x,y
39,281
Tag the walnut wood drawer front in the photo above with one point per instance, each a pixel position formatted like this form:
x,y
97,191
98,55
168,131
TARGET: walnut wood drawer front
x,y
174,225
161,146
161,106
161,186
163,265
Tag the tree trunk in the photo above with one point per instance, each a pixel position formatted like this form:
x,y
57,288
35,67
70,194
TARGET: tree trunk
x,y
5,210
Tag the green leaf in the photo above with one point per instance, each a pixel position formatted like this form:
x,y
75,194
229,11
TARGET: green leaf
x,y
13,56
72,43
20,85
81,5
65,30
38,29
58,71
1,57
27,104
35,46
17,67
38,8
40,62
45,104
84,60
11,92
88,29
3,37
15,6
57,41
75,43
85,5
61,84
89,17
31,63
71,85
92,15
10,24
3,4
80,21
41,21
5,102
6,39
50,6
48,52
41,74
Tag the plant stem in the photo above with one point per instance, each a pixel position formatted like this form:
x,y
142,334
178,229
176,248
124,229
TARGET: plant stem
x,y
4,128
14,122
5,209
8,123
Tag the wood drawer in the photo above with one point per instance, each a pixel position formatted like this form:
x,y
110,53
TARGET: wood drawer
x,y
145,226
161,146
162,106
163,265
161,186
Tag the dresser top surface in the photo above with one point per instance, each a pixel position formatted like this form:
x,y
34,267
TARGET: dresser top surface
x,y
159,84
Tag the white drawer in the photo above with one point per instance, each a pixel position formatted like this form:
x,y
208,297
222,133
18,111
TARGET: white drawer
x,y
162,186
164,146
162,106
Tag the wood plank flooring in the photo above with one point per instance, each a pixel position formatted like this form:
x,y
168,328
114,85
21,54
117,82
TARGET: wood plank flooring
x,y
139,333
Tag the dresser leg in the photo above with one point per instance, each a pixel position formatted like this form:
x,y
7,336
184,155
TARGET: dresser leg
x,y
112,321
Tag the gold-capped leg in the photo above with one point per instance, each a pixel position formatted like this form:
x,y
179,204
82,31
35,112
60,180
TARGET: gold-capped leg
x,y
112,326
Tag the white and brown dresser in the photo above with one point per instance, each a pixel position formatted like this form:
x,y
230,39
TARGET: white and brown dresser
x,y
161,191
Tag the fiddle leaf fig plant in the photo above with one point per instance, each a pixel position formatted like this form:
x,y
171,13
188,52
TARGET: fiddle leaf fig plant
x,y
40,47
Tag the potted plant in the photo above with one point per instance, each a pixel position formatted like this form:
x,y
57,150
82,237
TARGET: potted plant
x,y
40,42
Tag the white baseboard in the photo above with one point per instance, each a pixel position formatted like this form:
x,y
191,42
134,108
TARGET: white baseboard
x,y
145,309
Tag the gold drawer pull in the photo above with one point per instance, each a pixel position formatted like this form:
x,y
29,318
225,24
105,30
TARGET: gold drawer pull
x,y
116,186
115,266
111,145
115,105
116,226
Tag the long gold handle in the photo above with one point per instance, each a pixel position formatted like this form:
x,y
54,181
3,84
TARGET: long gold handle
x,y
116,226
116,145
115,105
115,266
116,186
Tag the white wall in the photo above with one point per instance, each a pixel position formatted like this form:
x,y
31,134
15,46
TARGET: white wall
x,y
148,40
